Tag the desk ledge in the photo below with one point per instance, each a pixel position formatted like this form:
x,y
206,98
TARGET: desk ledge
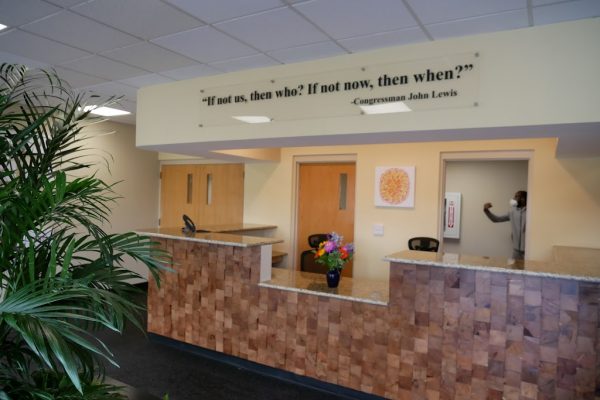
x,y
210,237
352,289
575,271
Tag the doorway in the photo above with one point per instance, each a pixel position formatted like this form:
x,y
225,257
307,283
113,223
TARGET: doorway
x,y
325,204
478,181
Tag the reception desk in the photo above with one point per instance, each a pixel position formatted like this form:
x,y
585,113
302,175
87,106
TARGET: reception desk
x,y
502,328
240,229
450,327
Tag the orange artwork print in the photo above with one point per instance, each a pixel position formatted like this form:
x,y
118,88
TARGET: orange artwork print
x,y
394,186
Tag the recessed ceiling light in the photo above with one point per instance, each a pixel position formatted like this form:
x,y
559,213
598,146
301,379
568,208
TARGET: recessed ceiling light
x,y
386,108
105,111
2,27
253,119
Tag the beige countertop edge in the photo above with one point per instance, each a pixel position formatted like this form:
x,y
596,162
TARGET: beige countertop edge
x,y
220,238
408,260
244,227
317,293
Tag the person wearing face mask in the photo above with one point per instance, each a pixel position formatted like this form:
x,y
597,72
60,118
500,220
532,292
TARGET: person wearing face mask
x,y
517,217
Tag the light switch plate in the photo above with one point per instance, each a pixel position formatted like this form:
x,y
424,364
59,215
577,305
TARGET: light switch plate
x,y
377,229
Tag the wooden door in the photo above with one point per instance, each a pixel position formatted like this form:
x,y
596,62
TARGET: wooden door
x,y
325,204
222,197
210,194
178,189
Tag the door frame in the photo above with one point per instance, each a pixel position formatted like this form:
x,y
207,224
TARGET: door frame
x,y
297,160
483,155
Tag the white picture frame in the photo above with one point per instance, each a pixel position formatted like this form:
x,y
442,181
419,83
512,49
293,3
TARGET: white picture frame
x,y
395,187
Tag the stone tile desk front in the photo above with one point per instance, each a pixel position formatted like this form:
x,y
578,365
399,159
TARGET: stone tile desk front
x,y
449,330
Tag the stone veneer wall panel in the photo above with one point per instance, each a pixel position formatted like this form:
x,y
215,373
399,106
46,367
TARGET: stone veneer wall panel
x,y
447,333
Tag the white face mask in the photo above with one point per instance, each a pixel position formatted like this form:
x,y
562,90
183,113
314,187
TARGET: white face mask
x,y
512,202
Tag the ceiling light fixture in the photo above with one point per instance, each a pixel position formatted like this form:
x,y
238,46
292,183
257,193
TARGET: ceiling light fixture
x,y
253,119
106,111
386,108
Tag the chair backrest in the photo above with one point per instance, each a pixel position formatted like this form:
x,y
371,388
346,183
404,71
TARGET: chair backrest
x,y
315,239
423,244
307,258
308,264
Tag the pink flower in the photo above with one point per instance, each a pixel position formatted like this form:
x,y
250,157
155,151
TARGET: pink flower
x,y
330,246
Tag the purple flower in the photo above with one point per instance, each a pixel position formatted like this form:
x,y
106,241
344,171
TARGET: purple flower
x,y
350,248
330,245
333,253
334,237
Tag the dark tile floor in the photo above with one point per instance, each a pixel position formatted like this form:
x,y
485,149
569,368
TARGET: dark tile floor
x,y
156,369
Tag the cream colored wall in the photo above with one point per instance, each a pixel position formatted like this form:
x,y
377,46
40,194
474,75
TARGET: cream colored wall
x,y
480,182
137,170
534,76
171,156
265,154
564,197
569,206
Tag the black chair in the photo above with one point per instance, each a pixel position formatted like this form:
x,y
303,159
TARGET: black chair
x,y
307,258
423,244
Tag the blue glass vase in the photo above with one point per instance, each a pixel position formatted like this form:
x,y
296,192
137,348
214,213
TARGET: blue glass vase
x,y
333,278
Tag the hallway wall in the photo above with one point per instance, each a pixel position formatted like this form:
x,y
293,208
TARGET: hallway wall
x,y
480,182
564,201
112,145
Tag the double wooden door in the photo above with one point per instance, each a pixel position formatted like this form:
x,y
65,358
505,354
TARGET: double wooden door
x,y
325,204
210,194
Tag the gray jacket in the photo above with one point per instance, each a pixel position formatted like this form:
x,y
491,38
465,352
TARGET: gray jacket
x,y
517,217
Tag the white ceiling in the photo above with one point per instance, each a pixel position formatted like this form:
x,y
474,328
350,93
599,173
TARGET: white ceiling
x,y
114,47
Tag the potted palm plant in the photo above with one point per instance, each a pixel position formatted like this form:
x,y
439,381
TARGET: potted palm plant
x,y
61,275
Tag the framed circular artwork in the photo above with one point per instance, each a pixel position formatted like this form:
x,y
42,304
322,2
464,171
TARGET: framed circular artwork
x,y
394,186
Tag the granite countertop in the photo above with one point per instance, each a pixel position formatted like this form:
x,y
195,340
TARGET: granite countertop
x,y
243,227
209,237
354,289
571,270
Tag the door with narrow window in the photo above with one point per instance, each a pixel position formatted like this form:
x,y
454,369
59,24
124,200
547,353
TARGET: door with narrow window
x,y
177,195
210,194
325,204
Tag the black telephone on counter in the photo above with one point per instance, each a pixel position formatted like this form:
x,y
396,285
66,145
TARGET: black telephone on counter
x,y
189,225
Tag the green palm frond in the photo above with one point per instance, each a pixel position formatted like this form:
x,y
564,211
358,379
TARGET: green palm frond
x,y
51,385
61,275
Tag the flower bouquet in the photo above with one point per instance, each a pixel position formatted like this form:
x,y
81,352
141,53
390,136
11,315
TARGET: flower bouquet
x,y
334,255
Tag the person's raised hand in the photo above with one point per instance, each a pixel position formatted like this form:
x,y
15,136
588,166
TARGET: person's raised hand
x,y
487,205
